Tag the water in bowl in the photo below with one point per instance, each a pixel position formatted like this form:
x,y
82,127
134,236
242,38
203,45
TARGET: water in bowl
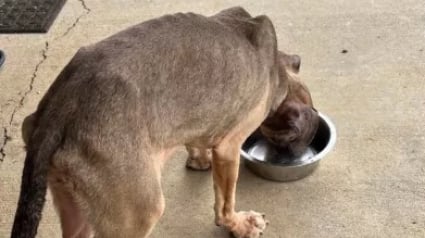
x,y
264,151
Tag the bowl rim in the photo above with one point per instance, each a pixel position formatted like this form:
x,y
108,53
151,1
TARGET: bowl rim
x,y
329,146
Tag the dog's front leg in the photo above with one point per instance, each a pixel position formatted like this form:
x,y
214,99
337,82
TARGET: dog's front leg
x,y
225,168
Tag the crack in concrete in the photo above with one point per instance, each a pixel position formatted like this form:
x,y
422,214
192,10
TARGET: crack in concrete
x,y
87,11
83,3
6,137
33,77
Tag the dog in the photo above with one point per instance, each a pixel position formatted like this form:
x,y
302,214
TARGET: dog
x,y
103,131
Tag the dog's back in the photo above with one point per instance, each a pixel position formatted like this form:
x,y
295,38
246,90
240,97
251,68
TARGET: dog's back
x,y
185,75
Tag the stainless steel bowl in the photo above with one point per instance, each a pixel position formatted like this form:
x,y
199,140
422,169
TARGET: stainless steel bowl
x,y
262,159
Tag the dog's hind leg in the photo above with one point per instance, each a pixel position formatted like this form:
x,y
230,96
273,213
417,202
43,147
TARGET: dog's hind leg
x,y
73,222
126,200
116,194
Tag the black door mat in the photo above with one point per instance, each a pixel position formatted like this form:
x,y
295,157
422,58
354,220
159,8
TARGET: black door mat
x,y
28,16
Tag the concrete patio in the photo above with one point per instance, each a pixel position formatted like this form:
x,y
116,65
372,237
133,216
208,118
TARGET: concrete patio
x,y
371,185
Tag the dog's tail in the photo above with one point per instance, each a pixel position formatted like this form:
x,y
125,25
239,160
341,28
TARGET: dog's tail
x,y
43,144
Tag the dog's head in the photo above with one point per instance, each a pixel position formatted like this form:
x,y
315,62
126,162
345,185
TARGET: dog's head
x,y
294,123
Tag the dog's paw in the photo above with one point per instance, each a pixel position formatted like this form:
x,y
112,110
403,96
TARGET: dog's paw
x,y
198,164
199,159
248,225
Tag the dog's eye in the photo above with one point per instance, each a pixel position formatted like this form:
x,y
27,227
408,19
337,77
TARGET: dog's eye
x,y
292,138
295,113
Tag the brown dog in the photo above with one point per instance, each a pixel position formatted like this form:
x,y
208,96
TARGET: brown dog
x,y
117,111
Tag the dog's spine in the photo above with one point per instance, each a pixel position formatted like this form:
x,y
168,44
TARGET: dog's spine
x,y
34,184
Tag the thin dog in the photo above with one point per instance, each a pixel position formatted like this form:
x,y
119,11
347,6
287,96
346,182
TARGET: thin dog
x,y
119,109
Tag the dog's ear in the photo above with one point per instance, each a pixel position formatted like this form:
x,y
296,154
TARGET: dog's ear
x,y
291,62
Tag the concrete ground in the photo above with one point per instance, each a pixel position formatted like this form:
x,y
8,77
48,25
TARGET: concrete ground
x,y
371,185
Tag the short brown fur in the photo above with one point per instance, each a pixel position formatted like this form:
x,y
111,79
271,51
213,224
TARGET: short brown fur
x,y
118,110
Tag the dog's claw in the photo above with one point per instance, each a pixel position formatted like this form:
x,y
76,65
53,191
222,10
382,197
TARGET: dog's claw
x,y
263,215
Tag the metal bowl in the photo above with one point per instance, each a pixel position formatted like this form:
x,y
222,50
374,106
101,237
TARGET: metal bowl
x,y
264,160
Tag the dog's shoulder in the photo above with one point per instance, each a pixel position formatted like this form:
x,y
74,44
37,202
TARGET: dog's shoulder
x,y
259,30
